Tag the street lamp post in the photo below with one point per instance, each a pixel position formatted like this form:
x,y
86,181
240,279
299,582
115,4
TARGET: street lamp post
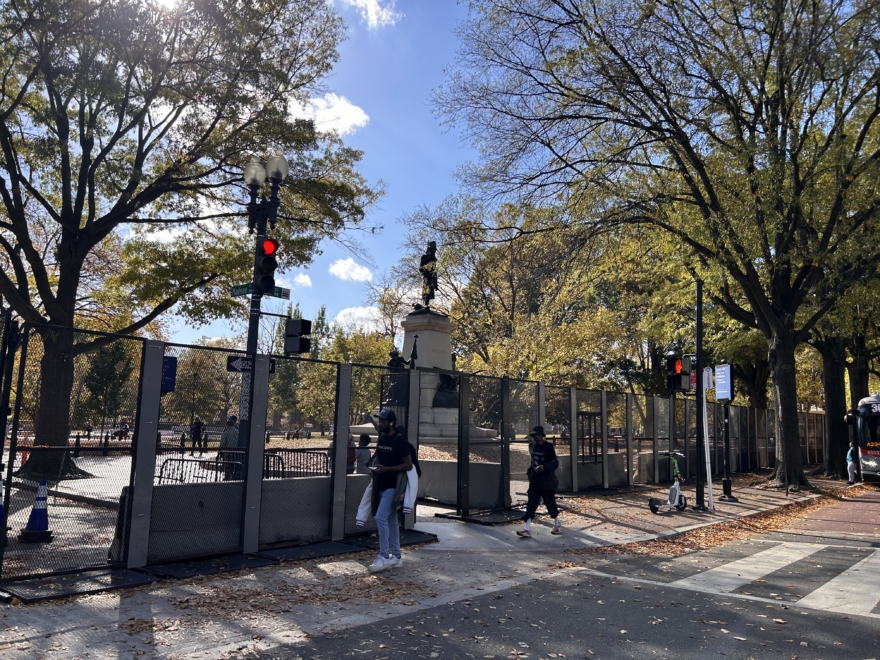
x,y
260,214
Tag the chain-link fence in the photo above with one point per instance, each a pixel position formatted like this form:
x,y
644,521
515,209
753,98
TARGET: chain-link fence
x,y
76,400
439,437
488,454
615,429
79,398
372,388
296,500
642,420
557,420
201,448
524,416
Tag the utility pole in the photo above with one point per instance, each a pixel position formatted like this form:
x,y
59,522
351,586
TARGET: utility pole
x,y
701,504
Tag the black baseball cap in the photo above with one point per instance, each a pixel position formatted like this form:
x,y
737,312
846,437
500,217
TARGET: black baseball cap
x,y
387,413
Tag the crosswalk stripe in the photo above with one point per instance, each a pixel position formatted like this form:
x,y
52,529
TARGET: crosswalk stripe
x,y
855,591
737,573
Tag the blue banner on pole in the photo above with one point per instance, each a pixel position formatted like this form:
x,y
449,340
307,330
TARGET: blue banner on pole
x,y
169,373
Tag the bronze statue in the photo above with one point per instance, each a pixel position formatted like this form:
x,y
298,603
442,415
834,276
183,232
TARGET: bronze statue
x,y
428,269
396,361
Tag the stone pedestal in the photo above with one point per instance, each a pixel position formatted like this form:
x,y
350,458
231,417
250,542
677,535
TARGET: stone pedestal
x,y
435,350
435,344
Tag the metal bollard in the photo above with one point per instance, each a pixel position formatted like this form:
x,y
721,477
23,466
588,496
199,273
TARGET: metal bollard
x,y
76,446
268,437
106,449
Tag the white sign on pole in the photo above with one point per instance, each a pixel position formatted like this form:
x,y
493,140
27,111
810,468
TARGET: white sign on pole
x,y
723,383
707,383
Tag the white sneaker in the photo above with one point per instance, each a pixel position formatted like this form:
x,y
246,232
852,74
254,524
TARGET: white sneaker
x,y
381,564
395,562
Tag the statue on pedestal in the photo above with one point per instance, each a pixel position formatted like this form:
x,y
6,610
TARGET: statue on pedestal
x,y
428,269
396,361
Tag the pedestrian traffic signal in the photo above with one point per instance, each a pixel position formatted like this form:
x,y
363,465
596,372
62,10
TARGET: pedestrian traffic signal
x,y
295,340
678,373
264,277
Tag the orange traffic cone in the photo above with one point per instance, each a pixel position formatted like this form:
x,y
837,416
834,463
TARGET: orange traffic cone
x,y
37,530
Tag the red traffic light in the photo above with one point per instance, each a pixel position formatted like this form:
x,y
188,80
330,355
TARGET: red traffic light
x,y
270,246
678,366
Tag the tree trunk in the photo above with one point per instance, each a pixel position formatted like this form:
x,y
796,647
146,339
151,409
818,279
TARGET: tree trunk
x,y
657,385
52,418
789,465
858,369
833,352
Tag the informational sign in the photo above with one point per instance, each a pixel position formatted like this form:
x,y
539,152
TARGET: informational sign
x,y
169,373
708,378
723,383
244,364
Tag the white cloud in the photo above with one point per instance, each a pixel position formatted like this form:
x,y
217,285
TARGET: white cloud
x,y
331,113
376,12
354,318
302,280
348,269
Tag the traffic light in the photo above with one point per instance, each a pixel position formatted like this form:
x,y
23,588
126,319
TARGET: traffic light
x,y
678,373
295,340
264,275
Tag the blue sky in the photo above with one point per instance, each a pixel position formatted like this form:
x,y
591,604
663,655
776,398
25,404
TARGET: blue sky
x,y
379,98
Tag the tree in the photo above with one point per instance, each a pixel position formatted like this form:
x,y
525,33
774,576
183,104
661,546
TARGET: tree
x,y
285,383
200,375
745,129
124,125
392,295
110,390
362,348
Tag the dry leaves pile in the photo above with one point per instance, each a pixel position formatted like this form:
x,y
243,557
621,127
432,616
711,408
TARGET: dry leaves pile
x,y
445,453
253,600
714,535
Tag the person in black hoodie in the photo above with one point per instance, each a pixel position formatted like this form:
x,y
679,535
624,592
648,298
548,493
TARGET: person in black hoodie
x,y
542,482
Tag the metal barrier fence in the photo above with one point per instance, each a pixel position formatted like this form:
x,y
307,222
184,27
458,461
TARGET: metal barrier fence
x,y
156,452
296,500
74,391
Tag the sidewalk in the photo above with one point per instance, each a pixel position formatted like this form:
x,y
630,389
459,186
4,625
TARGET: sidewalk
x,y
222,616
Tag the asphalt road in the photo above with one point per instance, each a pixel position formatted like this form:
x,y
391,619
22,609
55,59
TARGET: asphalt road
x,y
799,595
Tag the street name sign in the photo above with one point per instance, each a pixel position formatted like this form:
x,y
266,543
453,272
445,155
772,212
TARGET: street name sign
x,y
245,290
244,364
241,290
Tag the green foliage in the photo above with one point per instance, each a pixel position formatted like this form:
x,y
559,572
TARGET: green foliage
x,y
130,122
108,384
203,388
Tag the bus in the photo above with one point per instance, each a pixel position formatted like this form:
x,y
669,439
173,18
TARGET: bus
x,y
868,436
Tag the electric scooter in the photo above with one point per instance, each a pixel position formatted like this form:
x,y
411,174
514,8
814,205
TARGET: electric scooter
x,y
676,499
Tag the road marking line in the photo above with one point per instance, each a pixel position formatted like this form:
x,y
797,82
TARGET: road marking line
x,y
853,592
737,573
705,592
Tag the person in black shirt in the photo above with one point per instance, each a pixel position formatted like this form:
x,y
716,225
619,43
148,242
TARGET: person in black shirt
x,y
196,430
392,459
542,482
